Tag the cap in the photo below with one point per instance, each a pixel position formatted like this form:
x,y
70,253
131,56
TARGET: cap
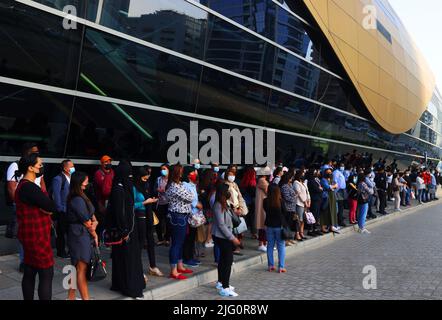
x,y
264,171
105,158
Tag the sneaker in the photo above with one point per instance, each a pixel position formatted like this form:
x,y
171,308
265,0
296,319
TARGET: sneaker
x,y
227,293
262,248
198,262
398,210
219,286
209,244
191,263
364,231
335,230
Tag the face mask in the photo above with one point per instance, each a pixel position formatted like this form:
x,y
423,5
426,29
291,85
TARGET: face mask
x,y
342,169
71,170
193,177
216,169
355,180
108,166
328,175
40,173
276,180
197,166
164,172
231,178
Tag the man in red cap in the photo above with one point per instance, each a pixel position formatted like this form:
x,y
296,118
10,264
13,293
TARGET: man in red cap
x,y
103,186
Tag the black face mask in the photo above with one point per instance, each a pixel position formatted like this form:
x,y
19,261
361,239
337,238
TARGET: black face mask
x,y
108,166
40,173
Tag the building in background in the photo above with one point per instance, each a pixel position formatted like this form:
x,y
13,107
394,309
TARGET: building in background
x,y
132,70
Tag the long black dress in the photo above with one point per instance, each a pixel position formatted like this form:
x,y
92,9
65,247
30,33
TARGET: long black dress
x,y
127,268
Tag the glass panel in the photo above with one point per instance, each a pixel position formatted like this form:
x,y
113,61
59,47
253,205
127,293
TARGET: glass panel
x,y
138,73
239,51
34,116
176,25
107,128
35,46
291,114
66,6
227,97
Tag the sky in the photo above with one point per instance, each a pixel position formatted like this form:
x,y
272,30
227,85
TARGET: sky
x,y
423,20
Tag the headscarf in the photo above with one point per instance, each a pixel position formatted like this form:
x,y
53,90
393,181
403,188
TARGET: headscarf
x,y
123,177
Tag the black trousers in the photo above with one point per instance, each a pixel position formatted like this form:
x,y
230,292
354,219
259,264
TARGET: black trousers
x,y
145,235
315,208
163,227
382,195
45,277
340,212
250,218
62,231
225,260
189,244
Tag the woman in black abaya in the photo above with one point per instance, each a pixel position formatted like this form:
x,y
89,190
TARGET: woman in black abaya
x,y
127,267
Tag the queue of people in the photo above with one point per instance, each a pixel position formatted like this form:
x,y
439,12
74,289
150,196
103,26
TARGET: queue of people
x,y
278,206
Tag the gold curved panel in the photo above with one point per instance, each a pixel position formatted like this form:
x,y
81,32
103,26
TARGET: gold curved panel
x,y
388,70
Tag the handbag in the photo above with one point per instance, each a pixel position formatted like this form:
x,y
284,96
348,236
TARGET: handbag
x,y
197,219
156,221
242,227
287,234
236,221
96,269
310,218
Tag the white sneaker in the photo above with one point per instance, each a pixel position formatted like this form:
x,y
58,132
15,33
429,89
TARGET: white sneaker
x,y
209,244
398,210
365,231
219,286
227,293
262,248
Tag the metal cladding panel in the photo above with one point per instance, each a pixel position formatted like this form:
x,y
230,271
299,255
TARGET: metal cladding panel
x,y
388,70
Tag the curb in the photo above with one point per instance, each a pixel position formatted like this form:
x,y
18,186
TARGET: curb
x,y
211,276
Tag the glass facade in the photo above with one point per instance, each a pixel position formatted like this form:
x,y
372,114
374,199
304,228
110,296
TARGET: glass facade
x,y
169,62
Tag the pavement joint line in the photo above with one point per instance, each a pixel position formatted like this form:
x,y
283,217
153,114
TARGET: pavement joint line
x,y
210,276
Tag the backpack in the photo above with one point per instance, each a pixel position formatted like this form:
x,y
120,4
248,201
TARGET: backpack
x,y
63,185
8,201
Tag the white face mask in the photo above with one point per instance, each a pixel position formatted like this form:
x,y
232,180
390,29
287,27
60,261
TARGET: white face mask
x,y
231,178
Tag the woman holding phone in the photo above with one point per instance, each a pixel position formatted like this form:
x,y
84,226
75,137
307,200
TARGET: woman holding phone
x,y
143,211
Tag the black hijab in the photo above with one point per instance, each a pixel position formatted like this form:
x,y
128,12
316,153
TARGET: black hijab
x,y
123,177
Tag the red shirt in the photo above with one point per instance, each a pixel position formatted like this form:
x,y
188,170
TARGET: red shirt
x,y
34,231
427,177
103,184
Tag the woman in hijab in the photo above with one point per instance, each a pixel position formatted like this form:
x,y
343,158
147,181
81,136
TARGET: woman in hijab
x,y
127,267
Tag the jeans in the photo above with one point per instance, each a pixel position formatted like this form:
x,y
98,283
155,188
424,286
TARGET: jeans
x,y
420,193
407,196
363,209
274,236
178,225
225,260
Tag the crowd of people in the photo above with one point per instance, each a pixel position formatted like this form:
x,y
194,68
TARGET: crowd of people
x,y
188,207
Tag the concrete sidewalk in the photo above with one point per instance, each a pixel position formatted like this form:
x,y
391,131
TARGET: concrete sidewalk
x,y
161,288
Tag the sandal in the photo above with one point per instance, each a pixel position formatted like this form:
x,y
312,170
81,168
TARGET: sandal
x,y
177,277
155,272
282,270
271,269
186,271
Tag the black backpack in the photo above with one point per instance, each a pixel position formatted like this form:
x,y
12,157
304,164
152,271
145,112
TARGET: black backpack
x,y
8,201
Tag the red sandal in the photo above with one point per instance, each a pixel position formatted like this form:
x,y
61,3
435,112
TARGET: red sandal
x,y
178,277
186,271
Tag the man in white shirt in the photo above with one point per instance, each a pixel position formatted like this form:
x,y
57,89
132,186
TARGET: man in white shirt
x,y
12,181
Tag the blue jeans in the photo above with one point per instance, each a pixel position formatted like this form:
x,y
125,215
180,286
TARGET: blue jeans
x,y
420,193
274,235
178,226
407,196
363,209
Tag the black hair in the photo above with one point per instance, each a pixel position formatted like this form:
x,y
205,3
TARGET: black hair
x,y
64,162
27,147
139,173
75,190
25,162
